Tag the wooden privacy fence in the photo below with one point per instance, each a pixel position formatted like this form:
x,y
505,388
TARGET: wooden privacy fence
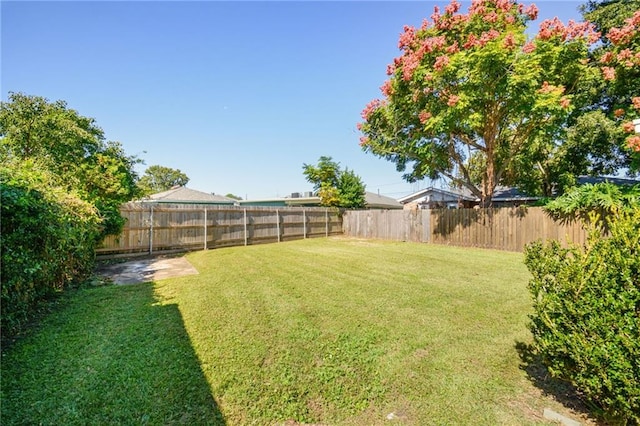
x,y
151,228
499,228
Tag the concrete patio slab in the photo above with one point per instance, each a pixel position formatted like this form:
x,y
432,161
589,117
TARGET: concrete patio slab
x,y
147,270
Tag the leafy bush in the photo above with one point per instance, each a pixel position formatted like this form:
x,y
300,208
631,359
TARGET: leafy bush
x,y
586,321
47,241
603,198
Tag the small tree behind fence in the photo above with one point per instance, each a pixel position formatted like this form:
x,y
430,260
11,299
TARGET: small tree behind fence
x,y
154,228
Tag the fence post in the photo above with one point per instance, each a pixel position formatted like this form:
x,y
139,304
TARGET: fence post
x,y
304,223
205,228
151,231
245,227
278,223
326,221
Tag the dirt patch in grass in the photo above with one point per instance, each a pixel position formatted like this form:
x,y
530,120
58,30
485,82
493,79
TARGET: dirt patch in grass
x,y
146,270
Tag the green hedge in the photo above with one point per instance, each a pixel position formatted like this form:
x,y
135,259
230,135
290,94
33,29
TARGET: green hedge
x,y
47,241
586,321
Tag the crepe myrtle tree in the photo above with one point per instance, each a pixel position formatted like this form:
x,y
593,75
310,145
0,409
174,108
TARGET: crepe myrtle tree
x,y
473,98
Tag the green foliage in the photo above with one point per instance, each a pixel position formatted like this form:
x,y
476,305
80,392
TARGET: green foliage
x,y
233,196
591,202
47,240
334,186
159,178
585,323
62,186
73,149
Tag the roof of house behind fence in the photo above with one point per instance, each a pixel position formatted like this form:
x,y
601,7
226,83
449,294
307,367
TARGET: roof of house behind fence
x,y
183,194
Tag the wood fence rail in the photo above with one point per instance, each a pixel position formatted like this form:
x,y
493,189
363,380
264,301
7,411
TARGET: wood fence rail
x,y
153,228
498,228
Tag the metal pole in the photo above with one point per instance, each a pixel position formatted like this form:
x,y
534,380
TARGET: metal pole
x,y
278,223
245,227
151,231
205,228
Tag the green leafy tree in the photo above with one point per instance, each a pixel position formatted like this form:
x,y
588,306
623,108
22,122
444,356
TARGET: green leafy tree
x,y
73,149
160,178
233,196
334,186
475,100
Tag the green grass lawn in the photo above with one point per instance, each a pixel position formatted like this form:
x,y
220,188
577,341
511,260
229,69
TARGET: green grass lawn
x,y
330,331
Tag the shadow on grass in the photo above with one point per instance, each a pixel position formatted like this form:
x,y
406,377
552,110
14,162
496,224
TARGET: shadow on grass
x,y
108,355
561,391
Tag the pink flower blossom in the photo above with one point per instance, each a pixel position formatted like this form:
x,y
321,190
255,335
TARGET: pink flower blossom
x,y
491,17
550,28
607,57
452,8
453,100
359,126
364,141
487,36
409,65
625,55
618,113
628,127
391,69
581,30
633,143
386,88
477,9
509,41
635,101
370,108
435,17
609,73
620,35
407,37
441,62
471,42
565,102
549,88
510,19
424,116
504,5
532,12
529,47
453,48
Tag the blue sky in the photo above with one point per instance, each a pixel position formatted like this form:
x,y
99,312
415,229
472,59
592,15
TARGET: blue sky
x,y
238,95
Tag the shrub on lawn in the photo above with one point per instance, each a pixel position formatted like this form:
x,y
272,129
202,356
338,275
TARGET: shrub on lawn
x,y
586,321
47,241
